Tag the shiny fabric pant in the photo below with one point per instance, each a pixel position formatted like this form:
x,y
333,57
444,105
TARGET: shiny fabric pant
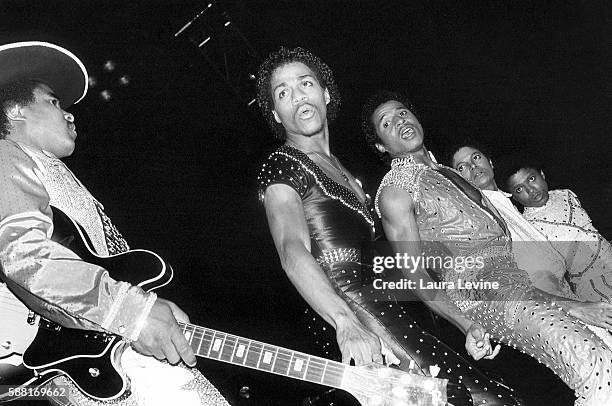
x,y
384,316
533,324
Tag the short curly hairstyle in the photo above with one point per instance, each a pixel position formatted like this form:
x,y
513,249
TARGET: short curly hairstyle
x,y
19,92
283,56
372,103
510,163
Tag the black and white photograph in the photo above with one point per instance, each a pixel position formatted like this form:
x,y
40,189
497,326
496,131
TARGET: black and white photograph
x,y
307,203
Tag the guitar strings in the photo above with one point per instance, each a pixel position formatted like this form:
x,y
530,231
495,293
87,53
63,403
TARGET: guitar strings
x,y
328,370
333,369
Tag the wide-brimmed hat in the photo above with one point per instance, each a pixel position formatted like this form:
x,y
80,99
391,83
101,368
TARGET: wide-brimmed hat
x,y
49,63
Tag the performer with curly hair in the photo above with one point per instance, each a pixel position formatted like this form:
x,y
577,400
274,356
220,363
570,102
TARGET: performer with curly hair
x,y
427,207
319,220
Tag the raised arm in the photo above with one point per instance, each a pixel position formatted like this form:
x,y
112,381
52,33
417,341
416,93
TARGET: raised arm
x,y
399,222
289,230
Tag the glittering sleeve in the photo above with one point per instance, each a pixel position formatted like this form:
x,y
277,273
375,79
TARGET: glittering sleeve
x,y
283,168
50,279
407,180
581,218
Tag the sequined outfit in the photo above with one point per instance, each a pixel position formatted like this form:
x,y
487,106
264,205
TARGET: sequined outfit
x,y
55,283
339,224
532,251
587,253
452,216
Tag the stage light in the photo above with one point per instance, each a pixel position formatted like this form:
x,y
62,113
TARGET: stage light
x,y
203,42
184,27
109,66
124,80
106,95
231,55
92,81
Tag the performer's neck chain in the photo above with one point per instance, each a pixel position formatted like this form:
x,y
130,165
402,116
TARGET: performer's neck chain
x,y
336,166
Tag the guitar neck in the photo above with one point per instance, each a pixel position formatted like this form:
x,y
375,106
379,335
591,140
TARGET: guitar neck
x,y
253,354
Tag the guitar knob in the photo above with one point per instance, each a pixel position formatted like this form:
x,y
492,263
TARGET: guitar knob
x,y
245,392
94,372
6,345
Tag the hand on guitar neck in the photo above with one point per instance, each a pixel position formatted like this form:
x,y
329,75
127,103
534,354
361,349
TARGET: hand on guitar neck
x,y
161,336
359,344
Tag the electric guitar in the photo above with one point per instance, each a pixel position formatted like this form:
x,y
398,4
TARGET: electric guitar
x,y
91,359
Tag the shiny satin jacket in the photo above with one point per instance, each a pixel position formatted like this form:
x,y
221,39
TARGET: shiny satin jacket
x,y
46,276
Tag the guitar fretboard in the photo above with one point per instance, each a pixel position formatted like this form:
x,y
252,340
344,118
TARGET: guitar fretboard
x,y
236,350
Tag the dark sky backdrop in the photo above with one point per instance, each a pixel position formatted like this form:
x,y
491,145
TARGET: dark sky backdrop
x,y
175,154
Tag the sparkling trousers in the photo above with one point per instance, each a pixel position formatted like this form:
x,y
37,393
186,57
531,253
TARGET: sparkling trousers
x,y
384,316
528,320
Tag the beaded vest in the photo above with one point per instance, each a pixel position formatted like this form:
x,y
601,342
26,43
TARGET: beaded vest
x,y
67,193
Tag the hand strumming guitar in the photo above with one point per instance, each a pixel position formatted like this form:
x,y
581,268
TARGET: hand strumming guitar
x,y
161,336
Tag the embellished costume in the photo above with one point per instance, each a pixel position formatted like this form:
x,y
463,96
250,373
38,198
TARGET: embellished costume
x,y
532,251
339,225
55,283
454,218
588,255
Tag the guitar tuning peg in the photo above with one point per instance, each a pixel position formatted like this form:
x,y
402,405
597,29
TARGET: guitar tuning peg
x,y
411,366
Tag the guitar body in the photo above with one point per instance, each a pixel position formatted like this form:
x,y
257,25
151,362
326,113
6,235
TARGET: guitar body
x,y
16,332
92,359
89,358
138,267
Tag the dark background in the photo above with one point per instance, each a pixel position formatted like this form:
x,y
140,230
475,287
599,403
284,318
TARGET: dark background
x,y
174,155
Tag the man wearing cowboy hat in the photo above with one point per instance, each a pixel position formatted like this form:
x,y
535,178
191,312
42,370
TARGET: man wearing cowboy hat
x,y
38,81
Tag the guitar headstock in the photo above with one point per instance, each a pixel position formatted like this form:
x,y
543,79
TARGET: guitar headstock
x,y
378,385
